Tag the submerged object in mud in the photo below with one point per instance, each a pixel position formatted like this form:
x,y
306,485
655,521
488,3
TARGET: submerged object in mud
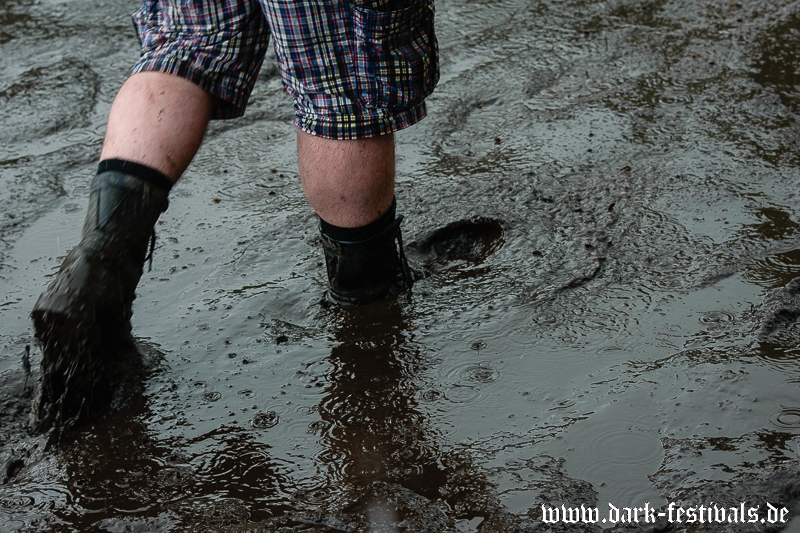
x,y
464,240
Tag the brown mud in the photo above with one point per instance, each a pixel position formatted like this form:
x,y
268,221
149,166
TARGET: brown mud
x,y
608,198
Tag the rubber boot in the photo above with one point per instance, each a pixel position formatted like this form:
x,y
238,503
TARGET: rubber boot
x,y
362,272
83,317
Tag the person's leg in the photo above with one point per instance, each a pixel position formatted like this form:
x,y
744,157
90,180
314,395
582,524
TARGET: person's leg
x,y
348,183
352,90
158,120
82,319
155,127
198,60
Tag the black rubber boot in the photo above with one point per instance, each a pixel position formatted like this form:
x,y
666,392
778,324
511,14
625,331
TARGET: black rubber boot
x,y
83,318
365,271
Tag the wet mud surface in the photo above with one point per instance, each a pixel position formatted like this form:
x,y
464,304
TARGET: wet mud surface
x,y
607,197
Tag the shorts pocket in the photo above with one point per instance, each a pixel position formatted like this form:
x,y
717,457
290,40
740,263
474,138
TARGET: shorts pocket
x,y
396,57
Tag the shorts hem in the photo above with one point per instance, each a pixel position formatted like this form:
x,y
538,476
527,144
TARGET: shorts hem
x,y
360,125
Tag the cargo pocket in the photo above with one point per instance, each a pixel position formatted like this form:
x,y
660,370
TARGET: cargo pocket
x,y
396,55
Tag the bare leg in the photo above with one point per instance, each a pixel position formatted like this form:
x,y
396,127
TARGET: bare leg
x,y
158,120
348,183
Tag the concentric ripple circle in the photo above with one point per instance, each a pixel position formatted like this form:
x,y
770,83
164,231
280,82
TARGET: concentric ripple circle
x,y
716,317
787,418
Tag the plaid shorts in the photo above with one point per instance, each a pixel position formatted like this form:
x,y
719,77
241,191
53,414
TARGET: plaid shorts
x,y
354,68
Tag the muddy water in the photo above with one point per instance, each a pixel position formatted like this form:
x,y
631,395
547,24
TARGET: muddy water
x,y
607,196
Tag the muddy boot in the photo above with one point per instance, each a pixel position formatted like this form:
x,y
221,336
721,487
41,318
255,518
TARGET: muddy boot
x,y
365,264
82,319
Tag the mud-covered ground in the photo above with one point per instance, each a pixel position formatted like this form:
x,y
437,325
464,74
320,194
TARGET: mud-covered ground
x,y
608,194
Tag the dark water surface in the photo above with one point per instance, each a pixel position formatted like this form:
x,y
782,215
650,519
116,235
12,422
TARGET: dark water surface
x,y
608,194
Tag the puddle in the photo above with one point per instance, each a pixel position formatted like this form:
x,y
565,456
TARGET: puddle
x,y
605,199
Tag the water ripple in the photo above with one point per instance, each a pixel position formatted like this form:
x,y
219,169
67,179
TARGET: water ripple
x,y
716,317
265,420
788,418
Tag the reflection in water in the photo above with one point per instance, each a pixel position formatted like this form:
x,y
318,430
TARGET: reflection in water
x,y
776,225
775,270
217,479
370,402
779,55
116,476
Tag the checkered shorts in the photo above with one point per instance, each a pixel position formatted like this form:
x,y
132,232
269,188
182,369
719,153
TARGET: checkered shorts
x,y
355,68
